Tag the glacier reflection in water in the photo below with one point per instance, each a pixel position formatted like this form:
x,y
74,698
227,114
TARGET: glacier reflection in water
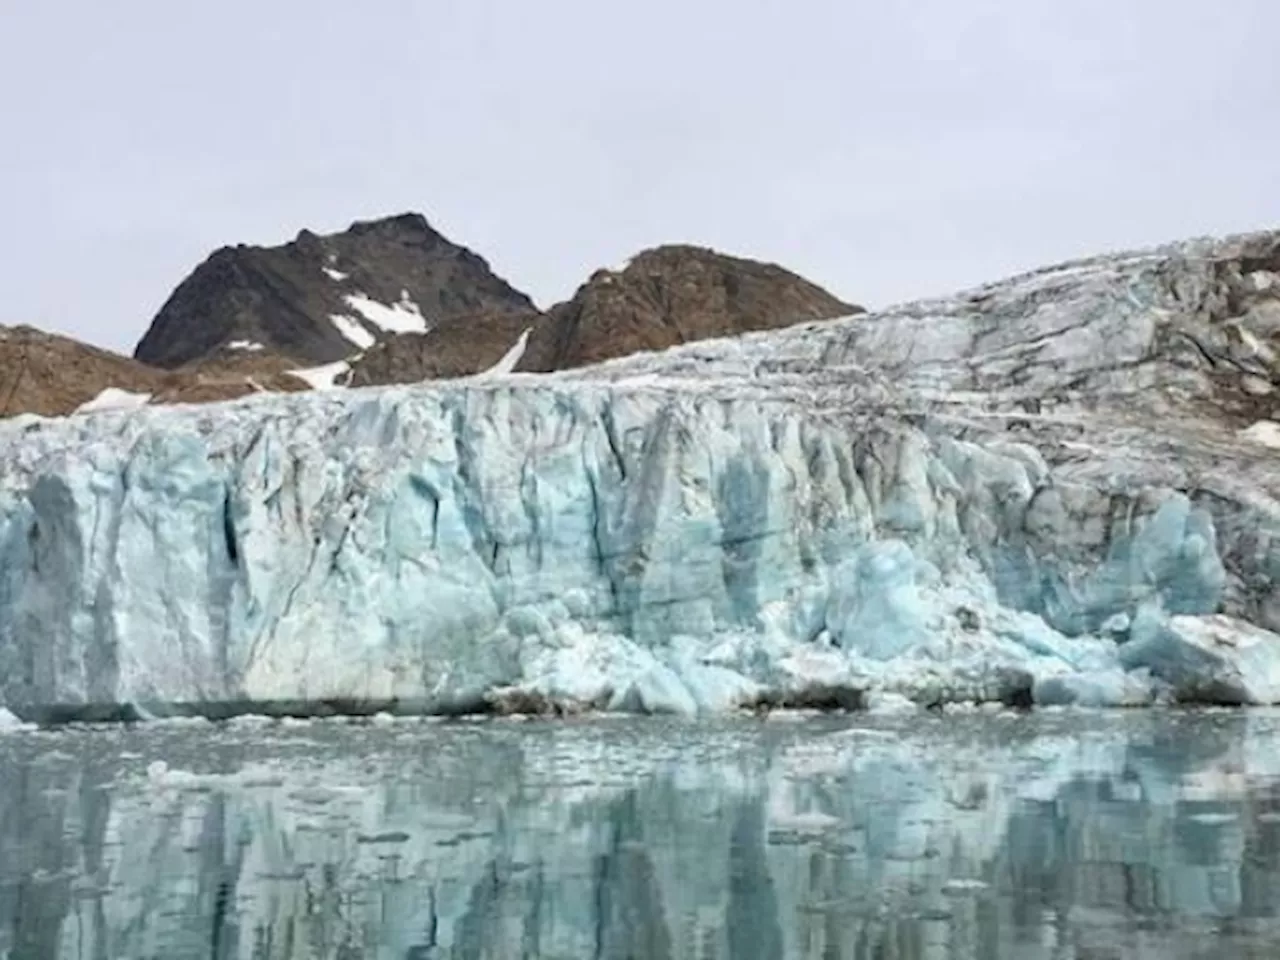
x,y
972,836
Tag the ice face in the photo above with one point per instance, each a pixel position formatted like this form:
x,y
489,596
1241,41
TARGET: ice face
x,y
422,545
772,519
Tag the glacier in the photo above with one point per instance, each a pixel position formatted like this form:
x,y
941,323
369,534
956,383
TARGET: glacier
x,y
1044,490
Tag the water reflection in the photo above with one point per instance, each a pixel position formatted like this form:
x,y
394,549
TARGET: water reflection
x,y
1067,836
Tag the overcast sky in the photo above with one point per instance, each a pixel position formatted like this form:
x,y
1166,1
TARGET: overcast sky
x,y
885,150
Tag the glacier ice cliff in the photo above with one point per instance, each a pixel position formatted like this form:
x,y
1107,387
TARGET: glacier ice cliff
x,y
1035,491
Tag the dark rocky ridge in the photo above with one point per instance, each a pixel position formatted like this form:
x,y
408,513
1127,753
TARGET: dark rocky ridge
x,y
282,297
665,296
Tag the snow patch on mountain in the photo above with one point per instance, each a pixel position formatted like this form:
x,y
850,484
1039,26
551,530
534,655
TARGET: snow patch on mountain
x,y
113,398
507,363
403,316
324,377
352,329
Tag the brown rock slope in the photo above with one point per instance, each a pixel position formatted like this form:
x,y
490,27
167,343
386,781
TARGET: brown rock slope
x,y
50,375
664,297
456,348
226,376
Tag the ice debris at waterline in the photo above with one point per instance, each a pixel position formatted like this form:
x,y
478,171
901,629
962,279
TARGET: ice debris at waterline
x,y
1043,490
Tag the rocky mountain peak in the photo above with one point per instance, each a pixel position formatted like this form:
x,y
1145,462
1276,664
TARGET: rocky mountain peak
x,y
320,298
405,227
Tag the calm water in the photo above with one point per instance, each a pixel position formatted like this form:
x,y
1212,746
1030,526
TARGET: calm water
x,y
974,836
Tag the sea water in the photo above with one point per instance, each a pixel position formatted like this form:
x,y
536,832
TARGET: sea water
x,y
974,834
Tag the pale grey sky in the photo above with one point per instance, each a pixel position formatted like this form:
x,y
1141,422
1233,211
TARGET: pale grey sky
x,y
886,150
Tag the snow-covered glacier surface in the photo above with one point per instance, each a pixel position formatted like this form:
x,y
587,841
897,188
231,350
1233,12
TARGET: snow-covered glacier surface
x,y
1051,489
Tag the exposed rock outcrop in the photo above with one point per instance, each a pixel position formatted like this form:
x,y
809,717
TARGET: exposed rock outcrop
x,y
52,376
456,348
319,299
673,295
662,298
393,301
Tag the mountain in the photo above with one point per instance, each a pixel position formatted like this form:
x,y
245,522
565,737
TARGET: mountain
x,y
1058,488
52,376
662,297
673,295
320,299
393,301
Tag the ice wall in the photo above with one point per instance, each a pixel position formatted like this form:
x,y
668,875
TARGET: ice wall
x,y
612,545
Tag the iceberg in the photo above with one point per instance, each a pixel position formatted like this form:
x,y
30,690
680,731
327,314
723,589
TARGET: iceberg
x,y
973,499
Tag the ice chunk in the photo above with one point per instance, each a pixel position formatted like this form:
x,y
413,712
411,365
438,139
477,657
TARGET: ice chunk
x,y
658,690
1264,432
1210,659
888,703
875,607
11,724
1104,688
